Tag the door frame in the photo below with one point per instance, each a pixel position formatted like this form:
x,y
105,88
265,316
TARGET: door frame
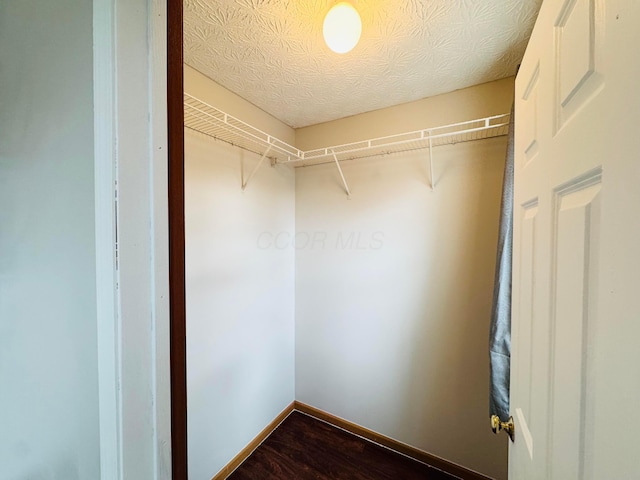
x,y
177,289
139,238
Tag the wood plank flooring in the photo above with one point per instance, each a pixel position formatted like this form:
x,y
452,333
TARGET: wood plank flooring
x,y
303,448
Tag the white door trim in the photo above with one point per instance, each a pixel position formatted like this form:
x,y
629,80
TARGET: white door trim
x,y
130,158
105,165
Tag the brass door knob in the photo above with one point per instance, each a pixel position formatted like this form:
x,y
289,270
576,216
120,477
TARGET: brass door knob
x,y
497,425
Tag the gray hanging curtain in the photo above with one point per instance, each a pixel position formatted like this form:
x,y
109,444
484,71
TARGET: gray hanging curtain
x,y
500,335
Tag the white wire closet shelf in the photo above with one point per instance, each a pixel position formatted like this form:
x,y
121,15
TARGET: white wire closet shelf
x,y
471,130
211,121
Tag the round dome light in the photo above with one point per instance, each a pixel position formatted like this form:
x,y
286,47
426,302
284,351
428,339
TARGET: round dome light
x,y
342,28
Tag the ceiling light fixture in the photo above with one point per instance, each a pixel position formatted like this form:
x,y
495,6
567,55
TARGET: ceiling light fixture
x,y
342,28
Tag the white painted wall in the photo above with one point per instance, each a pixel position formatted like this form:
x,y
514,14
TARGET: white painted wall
x,y
240,292
394,291
48,349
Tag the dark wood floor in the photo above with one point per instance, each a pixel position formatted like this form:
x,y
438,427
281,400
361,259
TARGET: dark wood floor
x,y
304,448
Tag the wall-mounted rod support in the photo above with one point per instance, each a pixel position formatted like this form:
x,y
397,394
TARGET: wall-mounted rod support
x,y
431,179
346,187
255,169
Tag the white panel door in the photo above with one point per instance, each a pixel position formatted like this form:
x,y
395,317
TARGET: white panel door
x,y
575,386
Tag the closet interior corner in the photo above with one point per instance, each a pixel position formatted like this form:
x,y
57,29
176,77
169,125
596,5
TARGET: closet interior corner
x,y
367,309
341,221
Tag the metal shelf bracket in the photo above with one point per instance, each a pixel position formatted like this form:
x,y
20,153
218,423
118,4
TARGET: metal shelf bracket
x,y
255,169
431,179
346,187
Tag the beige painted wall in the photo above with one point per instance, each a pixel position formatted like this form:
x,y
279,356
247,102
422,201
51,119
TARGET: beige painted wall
x,y
240,297
391,291
493,98
216,95
394,286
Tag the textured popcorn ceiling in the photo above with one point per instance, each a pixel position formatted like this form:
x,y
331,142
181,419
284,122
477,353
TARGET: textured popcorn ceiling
x,y
272,52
